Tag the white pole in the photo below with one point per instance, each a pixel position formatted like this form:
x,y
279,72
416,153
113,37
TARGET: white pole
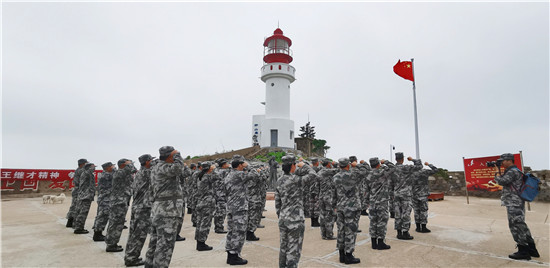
x,y
415,115
466,183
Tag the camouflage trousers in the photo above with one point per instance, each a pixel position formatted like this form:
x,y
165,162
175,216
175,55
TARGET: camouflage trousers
x,y
162,242
219,215
84,208
518,227
378,216
326,218
140,226
307,204
364,197
291,238
204,222
180,223
102,216
420,206
117,216
71,214
254,215
348,223
314,206
236,226
402,209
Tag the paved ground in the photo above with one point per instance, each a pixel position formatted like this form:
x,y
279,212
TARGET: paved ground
x,y
474,235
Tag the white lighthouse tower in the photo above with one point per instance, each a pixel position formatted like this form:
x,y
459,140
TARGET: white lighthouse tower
x,y
275,129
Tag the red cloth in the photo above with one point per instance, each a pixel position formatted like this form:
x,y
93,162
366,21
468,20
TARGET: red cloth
x,y
404,69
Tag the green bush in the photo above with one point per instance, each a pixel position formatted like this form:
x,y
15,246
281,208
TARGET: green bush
x,y
265,158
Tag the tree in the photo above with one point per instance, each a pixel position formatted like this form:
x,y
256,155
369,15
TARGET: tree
x,y
308,131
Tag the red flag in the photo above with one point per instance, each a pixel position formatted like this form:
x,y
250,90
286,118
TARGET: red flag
x,y
404,69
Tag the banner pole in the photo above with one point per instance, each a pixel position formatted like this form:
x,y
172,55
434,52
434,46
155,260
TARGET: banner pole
x,y
523,169
466,183
415,114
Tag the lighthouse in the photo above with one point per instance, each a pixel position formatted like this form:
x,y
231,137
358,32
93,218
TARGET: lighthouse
x,y
274,128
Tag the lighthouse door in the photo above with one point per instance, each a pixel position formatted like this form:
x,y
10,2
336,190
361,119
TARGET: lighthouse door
x,y
274,134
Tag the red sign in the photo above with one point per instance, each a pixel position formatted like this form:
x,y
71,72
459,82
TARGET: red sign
x,y
479,177
29,178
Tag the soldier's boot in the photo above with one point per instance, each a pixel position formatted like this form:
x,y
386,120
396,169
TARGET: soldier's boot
x,y
189,211
533,250
260,226
250,236
234,259
81,231
374,243
358,231
364,212
220,231
201,246
392,214
342,255
315,222
406,236
138,262
180,238
381,245
350,259
70,222
114,248
98,236
399,234
522,254
418,228
424,229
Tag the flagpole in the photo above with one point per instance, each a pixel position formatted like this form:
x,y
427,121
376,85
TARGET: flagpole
x,y
415,115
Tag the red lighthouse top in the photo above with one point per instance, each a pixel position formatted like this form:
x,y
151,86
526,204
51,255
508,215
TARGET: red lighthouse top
x,y
277,48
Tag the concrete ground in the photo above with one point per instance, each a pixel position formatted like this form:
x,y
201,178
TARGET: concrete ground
x,y
474,235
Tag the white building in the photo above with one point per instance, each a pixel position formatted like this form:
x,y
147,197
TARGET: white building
x,y
274,128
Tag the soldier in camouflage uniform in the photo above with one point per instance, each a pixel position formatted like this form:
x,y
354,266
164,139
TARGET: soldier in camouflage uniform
x,y
167,199
273,165
347,201
219,216
290,211
71,214
86,193
206,204
314,190
254,202
378,194
420,193
362,172
237,209
511,181
187,188
327,215
402,190
366,169
140,223
307,194
120,197
193,193
104,187
183,178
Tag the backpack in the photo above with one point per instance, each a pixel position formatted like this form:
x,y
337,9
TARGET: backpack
x,y
529,187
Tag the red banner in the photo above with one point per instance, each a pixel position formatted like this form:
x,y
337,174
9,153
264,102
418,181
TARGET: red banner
x,y
28,179
479,177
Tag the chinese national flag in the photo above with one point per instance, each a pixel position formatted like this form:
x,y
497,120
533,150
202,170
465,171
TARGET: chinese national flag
x,y
404,69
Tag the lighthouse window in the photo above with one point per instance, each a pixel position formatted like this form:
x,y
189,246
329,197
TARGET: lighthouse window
x,y
272,84
291,134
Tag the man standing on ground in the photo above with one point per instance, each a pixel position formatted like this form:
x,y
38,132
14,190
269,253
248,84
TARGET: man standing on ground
x,y
219,216
327,215
402,190
378,194
420,193
73,210
104,187
86,195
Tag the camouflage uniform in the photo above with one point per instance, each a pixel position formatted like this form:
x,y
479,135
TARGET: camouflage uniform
x,y
254,199
347,201
140,224
402,189
192,190
167,199
120,196
182,179
221,211
71,214
104,187
237,209
420,193
206,203
378,195
365,170
290,211
86,195
327,215
314,192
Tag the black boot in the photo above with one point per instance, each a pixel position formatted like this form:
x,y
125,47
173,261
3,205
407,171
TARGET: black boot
x,y
358,231
399,234
424,229
221,231
113,248
81,231
260,226
522,254
374,243
382,245
350,259
234,259
189,211
392,214
533,250
315,222
201,246
251,237
98,236
137,262
418,228
364,212
69,222
342,255
406,236
180,238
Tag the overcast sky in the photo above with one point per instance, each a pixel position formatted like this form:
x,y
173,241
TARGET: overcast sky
x,y
104,81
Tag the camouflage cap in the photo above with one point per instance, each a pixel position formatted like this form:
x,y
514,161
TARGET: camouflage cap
x,y
353,158
221,161
82,161
399,155
325,162
165,151
206,165
193,165
314,160
507,156
374,162
122,161
237,159
144,158
289,159
106,165
343,162
88,165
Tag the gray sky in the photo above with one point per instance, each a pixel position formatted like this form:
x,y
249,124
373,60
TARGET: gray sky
x,y
105,81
